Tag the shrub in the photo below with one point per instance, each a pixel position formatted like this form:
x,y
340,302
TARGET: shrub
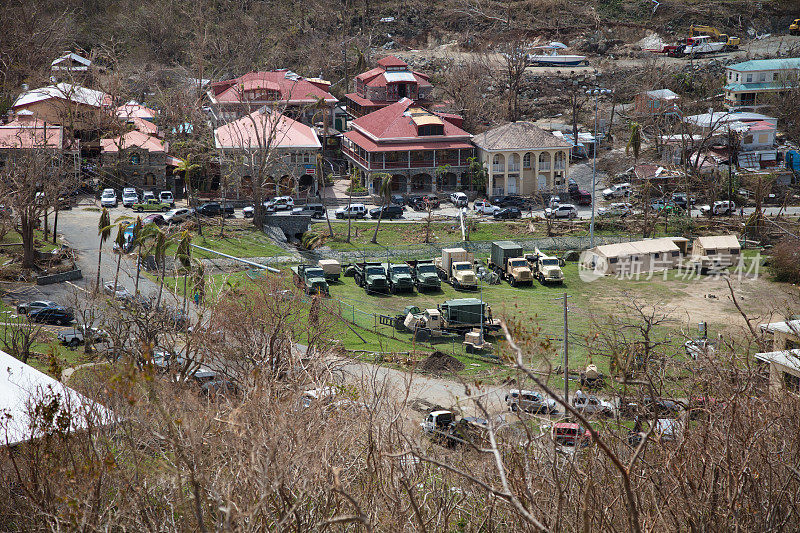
x,y
786,260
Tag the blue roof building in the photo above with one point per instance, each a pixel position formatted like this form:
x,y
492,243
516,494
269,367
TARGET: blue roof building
x,y
750,83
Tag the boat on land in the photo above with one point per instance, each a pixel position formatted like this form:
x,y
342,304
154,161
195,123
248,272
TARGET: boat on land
x,y
548,55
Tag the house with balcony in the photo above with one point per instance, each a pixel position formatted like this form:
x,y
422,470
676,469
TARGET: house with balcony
x,y
751,83
391,81
303,99
421,150
522,158
268,146
755,132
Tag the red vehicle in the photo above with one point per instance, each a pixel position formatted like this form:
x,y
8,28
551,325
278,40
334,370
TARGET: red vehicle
x,y
571,434
432,199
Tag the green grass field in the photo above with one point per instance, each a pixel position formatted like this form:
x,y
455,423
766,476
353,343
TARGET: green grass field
x,y
238,242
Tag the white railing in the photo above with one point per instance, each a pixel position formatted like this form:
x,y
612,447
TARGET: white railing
x,y
498,168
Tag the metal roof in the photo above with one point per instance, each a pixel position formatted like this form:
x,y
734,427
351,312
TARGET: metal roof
x,y
393,77
790,326
766,64
786,358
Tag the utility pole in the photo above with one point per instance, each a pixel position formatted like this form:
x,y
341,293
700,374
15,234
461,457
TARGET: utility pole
x,y
566,351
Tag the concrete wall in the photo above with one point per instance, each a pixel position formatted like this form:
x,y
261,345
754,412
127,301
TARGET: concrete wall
x,y
70,275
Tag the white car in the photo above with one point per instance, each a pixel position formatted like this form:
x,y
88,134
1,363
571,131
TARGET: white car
x,y
176,216
148,195
353,211
618,190
459,199
530,401
166,198
617,209
591,405
129,196
721,207
562,211
108,198
280,203
485,207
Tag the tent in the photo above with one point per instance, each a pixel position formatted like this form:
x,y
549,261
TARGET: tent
x,y
723,250
630,258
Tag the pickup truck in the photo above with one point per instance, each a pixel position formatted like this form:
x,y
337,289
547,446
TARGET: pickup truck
x,y
424,275
399,275
311,279
371,276
76,336
151,205
445,428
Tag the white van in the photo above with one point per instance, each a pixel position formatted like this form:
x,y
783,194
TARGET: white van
x,y
166,198
352,211
459,199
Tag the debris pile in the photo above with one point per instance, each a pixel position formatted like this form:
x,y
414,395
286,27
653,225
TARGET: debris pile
x,y
441,363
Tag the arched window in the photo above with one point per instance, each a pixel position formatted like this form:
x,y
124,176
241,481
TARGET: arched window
x,y
513,164
149,180
544,161
136,158
499,163
526,161
560,161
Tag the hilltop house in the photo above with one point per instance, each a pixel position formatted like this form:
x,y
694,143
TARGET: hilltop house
x,y
422,150
265,143
784,359
288,93
658,102
522,158
750,83
756,134
387,83
26,132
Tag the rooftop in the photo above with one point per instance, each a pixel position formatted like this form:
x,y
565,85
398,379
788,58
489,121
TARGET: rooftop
x,y
29,133
766,64
265,127
133,139
399,121
786,358
662,94
64,91
292,88
518,136
717,118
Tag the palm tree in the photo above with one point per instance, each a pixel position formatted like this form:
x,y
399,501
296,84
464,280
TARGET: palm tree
x,y
321,174
354,179
188,168
184,255
120,242
385,192
635,140
138,240
104,230
160,256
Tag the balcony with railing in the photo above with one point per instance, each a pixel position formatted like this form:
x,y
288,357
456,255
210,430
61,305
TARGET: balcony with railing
x,y
498,168
544,166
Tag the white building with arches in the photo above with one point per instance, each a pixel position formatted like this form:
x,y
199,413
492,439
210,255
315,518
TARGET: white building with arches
x,y
523,159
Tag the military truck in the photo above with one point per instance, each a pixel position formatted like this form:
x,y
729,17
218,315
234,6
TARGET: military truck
x,y
371,276
507,261
455,267
311,279
332,269
453,316
546,269
424,275
399,275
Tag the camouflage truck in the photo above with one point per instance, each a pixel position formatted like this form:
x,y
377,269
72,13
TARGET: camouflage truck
x,y
456,268
311,279
371,276
399,276
547,269
424,275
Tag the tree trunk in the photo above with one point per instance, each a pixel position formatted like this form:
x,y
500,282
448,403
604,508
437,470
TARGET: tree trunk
x,y
99,259
46,226
138,270
184,308
161,281
116,274
378,225
27,224
349,218
55,223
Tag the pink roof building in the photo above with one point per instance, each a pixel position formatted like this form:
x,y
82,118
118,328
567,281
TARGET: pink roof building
x,y
289,146
134,109
412,144
390,81
292,94
29,133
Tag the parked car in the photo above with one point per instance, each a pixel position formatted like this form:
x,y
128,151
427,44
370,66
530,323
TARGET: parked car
x,y
507,213
389,212
24,309
76,336
129,197
148,195
315,210
155,218
679,199
530,401
582,197
150,204
214,209
618,209
432,200
178,215
108,198
720,207
570,434
280,203
119,292
219,387
352,211
52,315
618,190
663,205
459,199
633,407
591,405
485,207
166,198
398,199
562,211
520,202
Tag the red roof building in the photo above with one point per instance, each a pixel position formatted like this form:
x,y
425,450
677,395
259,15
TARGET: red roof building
x,y
387,83
423,151
288,93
